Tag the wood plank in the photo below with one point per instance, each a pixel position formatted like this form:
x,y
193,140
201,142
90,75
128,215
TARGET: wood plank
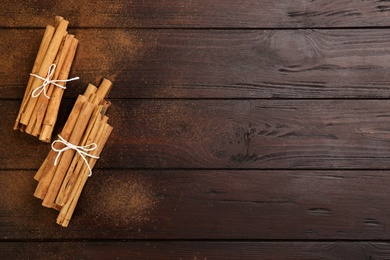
x,y
214,63
205,204
196,250
252,134
199,14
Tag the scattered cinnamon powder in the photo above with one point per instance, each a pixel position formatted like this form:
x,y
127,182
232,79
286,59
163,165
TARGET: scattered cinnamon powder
x,y
11,197
116,50
125,200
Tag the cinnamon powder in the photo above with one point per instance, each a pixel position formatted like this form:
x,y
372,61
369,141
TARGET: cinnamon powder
x,y
125,200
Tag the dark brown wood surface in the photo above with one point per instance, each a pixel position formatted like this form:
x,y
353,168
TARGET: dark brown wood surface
x,y
198,14
242,130
214,63
249,134
206,204
196,250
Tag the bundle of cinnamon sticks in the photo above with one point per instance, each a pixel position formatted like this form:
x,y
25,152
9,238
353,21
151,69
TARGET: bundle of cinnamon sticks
x,y
65,171
39,109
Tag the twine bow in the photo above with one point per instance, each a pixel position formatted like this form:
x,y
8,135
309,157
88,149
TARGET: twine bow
x,y
82,151
47,81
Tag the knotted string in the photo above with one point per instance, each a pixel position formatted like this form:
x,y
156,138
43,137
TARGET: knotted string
x,y
47,81
82,150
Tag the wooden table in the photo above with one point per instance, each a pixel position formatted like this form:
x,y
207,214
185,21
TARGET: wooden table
x,y
242,129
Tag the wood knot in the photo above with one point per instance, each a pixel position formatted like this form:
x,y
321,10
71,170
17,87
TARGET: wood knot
x,y
293,49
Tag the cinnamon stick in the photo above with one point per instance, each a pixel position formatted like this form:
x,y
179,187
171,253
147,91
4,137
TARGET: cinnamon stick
x,y
58,20
89,137
91,89
66,212
47,37
104,88
63,72
67,155
60,186
46,171
46,63
101,92
34,125
56,96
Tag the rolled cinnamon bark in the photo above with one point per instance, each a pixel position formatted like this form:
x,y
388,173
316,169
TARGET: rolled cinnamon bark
x,y
56,96
43,70
47,37
34,125
39,109
66,212
67,155
77,161
46,171
60,185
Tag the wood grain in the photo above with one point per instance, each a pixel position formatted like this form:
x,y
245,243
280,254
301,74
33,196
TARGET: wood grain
x,y
206,204
198,14
197,250
242,129
240,134
213,63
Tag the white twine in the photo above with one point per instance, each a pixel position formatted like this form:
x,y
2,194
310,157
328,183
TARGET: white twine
x,y
82,150
47,81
